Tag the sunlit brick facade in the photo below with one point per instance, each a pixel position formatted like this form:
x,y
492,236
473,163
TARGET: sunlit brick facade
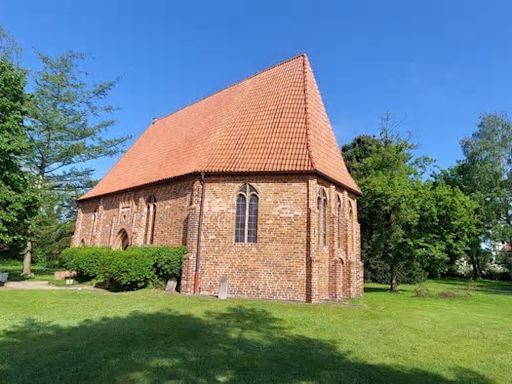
x,y
265,202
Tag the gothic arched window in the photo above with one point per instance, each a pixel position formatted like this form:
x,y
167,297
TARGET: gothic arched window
x,y
322,217
246,220
339,214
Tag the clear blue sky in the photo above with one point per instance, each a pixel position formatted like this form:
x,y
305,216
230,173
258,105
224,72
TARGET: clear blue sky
x,y
434,64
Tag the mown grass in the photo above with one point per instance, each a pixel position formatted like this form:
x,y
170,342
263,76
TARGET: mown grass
x,y
148,336
39,272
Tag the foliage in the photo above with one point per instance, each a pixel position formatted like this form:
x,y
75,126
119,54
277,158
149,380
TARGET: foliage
x,y
86,261
69,117
17,199
411,227
505,259
448,225
52,234
485,174
132,268
168,261
9,49
422,291
390,206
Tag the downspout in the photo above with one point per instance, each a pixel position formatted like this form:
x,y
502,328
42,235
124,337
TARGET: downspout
x,y
198,246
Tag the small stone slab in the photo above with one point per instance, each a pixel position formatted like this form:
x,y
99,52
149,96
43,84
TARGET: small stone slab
x,y
223,288
61,275
4,276
171,285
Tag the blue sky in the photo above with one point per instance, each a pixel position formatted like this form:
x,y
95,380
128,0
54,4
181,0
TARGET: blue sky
x,y
436,65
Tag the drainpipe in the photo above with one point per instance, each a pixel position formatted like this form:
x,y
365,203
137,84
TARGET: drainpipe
x,y
198,246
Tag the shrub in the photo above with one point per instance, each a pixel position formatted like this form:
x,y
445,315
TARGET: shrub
x,y
421,291
86,261
132,268
168,262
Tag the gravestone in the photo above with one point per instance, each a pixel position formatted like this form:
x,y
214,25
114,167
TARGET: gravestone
x,y
223,288
171,285
4,276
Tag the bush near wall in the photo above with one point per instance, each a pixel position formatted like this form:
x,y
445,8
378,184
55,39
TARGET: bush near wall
x,y
132,268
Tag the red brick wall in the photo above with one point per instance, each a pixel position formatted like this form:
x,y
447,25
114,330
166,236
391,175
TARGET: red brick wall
x,y
287,262
274,267
128,211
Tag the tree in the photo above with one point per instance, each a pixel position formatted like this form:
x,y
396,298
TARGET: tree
x,y
485,175
410,225
390,181
16,196
448,226
69,117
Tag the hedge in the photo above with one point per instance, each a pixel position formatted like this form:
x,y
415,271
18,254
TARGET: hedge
x,y
132,268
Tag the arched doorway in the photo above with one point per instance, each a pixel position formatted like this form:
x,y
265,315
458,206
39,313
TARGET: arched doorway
x,y
122,240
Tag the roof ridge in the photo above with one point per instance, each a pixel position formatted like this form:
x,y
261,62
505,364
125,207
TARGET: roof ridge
x,y
303,55
306,111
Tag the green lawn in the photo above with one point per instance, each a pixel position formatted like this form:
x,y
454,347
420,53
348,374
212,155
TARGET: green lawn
x,y
151,337
15,267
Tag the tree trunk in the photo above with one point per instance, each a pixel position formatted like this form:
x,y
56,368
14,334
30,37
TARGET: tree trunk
x,y
474,263
27,259
393,284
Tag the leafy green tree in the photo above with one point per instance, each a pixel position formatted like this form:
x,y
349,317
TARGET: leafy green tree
x,y
69,118
448,225
390,206
16,196
485,175
410,226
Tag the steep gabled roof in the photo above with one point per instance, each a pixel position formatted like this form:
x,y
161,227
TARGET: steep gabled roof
x,y
274,121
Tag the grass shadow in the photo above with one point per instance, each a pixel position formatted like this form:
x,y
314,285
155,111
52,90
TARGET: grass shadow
x,y
14,270
238,345
487,286
382,289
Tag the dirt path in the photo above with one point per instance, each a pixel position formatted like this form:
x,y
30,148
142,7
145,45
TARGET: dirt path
x,y
37,284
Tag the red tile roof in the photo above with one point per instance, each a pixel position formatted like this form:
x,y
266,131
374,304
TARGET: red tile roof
x,y
274,121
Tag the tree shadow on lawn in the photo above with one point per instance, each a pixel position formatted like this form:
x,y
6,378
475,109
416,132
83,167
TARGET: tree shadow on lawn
x,y
383,289
239,345
486,286
14,271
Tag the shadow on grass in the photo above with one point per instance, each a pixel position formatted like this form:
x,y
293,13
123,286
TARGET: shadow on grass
x,y
14,271
239,345
487,286
383,289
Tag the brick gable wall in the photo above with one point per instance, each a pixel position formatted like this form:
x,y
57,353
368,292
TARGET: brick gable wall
x,y
286,263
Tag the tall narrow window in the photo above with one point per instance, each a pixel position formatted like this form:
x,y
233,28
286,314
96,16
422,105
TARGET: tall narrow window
x,y
252,222
339,215
322,217
150,221
240,218
246,224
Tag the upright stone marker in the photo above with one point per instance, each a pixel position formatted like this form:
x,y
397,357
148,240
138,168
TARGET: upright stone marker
x,y
223,288
171,285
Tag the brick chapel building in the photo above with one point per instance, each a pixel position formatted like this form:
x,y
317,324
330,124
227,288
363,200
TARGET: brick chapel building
x,y
252,181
